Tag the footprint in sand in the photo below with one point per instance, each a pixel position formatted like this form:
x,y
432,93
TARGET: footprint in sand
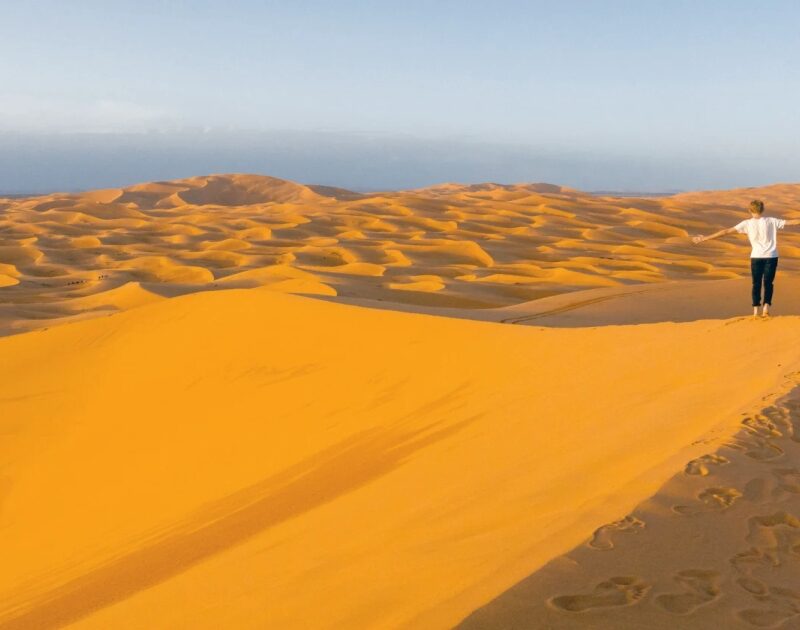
x,y
787,417
792,423
752,586
713,500
793,428
701,465
699,587
612,593
758,490
777,604
774,539
788,479
765,617
761,425
737,320
758,448
778,414
603,538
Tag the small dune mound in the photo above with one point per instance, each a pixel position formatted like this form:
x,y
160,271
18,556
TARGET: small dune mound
x,y
305,287
431,225
216,258
546,188
351,235
578,279
123,297
454,188
775,197
656,229
86,242
9,270
325,256
228,244
177,239
61,216
357,269
242,190
396,258
163,269
19,254
103,196
340,194
150,195
256,233
425,283
282,278
507,278
88,208
110,211
264,275
443,251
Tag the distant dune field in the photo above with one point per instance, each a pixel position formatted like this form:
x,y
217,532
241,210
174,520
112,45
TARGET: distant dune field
x,y
486,407
67,256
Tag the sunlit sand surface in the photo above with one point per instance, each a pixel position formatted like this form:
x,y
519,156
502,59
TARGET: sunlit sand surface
x,y
481,246
487,406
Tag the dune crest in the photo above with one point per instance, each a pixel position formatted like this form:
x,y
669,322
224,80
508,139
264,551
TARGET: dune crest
x,y
242,190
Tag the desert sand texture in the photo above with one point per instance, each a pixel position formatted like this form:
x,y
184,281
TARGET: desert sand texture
x,y
492,407
68,256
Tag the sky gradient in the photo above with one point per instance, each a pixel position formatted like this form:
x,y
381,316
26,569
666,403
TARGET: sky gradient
x,y
637,95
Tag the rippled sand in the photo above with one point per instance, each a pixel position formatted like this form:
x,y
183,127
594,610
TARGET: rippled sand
x,y
482,246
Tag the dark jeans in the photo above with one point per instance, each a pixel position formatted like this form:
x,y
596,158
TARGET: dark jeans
x,y
763,270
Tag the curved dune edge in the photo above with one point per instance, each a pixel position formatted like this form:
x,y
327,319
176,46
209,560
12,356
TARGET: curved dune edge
x,y
250,459
7,281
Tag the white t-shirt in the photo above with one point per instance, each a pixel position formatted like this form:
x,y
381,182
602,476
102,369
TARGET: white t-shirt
x,y
763,235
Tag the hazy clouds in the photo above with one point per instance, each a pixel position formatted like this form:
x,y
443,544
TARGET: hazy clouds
x,y
612,94
32,162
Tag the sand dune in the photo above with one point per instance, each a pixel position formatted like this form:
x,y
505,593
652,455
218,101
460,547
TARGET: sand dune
x,y
495,406
421,488
476,246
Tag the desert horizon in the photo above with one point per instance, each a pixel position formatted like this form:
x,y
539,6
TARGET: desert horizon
x,y
247,402
662,191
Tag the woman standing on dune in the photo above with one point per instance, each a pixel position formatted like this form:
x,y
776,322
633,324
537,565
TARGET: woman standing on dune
x,y
763,234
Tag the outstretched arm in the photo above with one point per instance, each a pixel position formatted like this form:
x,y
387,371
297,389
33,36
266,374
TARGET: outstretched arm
x,y
700,239
792,222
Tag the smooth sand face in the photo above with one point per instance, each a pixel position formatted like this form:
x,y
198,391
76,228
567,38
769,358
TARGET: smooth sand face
x,y
249,459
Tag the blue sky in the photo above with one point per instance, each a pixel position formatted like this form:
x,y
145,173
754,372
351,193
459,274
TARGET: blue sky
x,y
636,95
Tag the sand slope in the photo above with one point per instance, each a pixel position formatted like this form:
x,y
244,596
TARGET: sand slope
x,y
675,301
186,446
462,246
717,546
250,459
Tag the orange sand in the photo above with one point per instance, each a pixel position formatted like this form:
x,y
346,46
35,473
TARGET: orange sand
x,y
72,256
245,458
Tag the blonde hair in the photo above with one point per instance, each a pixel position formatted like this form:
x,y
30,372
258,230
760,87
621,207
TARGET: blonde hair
x,y
757,206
